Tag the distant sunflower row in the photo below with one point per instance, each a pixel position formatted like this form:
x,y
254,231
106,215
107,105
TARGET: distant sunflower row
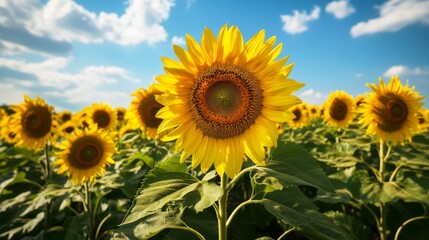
x,y
391,112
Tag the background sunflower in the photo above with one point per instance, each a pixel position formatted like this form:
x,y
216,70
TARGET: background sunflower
x,y
339,109
390,112
85,154
33,122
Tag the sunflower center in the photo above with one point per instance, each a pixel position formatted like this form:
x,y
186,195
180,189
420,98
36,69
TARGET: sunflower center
x,y
102,118
86,152
225,101
120,115
394,115
148,109
37,122
338,110
69,129
297,114
66,117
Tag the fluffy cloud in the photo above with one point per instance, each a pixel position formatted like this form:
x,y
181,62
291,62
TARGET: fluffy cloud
x,y
340,9
394,15
312,97
47,78
178,40
50,28
297,23
402,70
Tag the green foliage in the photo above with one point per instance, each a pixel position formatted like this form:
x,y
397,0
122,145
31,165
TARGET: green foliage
x,y
318,183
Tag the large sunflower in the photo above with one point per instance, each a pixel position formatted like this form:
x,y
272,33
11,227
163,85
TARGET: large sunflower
x,y
301,116
85,154
143,110
390,112
102,115
33,122
224,98
339,109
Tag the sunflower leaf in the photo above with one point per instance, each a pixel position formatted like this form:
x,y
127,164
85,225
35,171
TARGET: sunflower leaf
x,y
291,164
293,208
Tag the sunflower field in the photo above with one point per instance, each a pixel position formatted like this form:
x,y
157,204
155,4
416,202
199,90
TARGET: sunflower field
x,y
219,147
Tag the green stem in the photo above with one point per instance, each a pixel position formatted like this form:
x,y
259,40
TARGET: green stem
x,y
250,201
88,208
101,224
407,222
392,177
383,213
286,233
382,162
237,177
201,237
221,218
48,163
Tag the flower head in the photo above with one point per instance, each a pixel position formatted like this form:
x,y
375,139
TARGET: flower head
x,y
143,110
339,109
33,123
390,112
102,115
85,154
223,99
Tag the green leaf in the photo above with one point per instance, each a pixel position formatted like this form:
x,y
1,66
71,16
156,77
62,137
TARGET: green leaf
x,y
26,226
210,193
161,188
77,227
291,164
153,223
22,197
413,188
311,224
172,164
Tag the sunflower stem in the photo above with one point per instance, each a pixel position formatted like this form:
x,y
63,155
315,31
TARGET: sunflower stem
x,y
221,218
48,164
88,209
407,222
383,211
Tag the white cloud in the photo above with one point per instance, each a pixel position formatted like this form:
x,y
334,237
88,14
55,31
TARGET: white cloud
x,y
178,40
92,84
297,23
10,94
312,97
340,9
402,70
394,15
50,27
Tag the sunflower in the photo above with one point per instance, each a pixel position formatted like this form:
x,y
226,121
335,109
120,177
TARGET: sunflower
x,y
64,116
301,116
143,110
224,97
102,115
33,122
120,115
6,133
339,109
314,111
359,100
85,154
390,112
422,117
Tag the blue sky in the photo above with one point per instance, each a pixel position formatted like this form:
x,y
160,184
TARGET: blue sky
x,y
75,53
